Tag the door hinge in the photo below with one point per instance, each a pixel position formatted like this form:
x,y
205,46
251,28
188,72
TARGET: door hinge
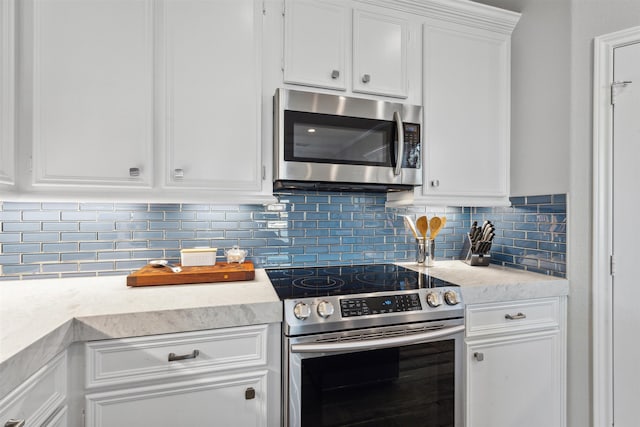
x,y
612,265
264,172
614,86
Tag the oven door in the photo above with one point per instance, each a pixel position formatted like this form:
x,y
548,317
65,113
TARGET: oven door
x,y
406,375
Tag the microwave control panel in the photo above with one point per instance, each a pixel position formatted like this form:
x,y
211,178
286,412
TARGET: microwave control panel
x,y
412,157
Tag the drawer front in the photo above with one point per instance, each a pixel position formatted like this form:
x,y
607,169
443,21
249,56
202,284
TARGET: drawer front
x,y
40,396
128,360
513,316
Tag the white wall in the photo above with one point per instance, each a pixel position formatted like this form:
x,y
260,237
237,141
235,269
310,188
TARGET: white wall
x,y
552,115
589,18
540,99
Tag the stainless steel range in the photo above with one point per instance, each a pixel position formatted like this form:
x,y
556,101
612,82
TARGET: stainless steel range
x,y
370,345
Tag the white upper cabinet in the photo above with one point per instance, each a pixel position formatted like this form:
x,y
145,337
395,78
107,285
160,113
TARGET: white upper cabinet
x,y
7,94
156,100
466,106
334,45
91,81
466,114
379,54
211,93
316,44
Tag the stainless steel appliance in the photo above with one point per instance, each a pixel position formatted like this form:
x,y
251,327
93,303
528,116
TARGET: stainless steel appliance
x,y
370,345
329,142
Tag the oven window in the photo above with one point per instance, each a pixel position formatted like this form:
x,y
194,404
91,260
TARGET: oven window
x,y
324,138
401,386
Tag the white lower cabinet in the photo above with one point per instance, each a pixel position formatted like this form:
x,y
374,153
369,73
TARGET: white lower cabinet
x,y
226,377
226,401
515,357
41,399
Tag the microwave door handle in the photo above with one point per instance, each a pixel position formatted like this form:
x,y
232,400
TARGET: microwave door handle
x,y
399,142
338,347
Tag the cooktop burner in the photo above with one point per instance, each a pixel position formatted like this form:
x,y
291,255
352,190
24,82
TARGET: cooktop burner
x,y
346,280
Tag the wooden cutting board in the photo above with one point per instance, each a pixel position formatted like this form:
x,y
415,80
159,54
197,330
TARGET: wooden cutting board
x,y
221,272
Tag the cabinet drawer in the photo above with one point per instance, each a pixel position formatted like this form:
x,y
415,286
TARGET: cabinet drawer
x,y
156,357
39,397
513,316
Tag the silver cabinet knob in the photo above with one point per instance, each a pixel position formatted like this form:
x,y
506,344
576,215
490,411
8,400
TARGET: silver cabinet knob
x,y
335,74
435,183
478,356
134,172
178,173
14,423
366,78
325,309
301,310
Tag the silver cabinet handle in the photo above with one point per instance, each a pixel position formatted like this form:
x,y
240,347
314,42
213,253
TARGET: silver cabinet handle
x,y
435,183
335,74
178,173
173,357
400,143
515,316
134,172
250,393
478,356
366,78
14,423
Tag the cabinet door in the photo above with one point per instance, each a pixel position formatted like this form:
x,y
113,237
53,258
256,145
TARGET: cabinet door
x,y
466,108
316,43
379,54
38,398
210,74
90,68
7,94
515,381
225,401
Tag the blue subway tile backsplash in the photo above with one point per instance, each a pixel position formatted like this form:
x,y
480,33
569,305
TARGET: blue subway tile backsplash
x,y
44,240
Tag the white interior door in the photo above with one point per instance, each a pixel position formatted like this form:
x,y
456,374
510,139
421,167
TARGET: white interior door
x,y
626,241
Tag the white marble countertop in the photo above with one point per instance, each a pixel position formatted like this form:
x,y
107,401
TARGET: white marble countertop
x,y
493,283
40,318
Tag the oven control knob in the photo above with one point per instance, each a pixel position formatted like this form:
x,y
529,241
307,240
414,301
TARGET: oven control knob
x,y
433,299
301,310
451,298
325,309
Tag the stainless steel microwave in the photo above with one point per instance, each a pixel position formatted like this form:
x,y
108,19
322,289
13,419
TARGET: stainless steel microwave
x,y
330,142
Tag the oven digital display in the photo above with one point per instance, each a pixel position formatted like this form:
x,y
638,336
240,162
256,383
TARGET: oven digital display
x,y
354,307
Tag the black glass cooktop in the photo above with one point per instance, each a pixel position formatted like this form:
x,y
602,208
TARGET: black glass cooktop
x,y
345,280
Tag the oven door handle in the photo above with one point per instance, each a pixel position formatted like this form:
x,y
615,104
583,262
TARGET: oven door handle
x,y
338,347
